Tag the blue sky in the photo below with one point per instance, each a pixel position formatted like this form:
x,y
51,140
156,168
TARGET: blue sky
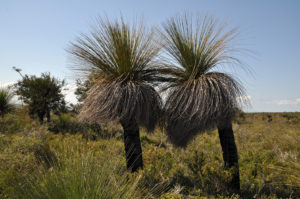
x,y
34,35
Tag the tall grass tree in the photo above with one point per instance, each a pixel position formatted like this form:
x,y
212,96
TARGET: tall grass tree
x,y
121,59
199,98
6,104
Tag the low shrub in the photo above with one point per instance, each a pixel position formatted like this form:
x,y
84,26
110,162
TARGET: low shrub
x,y
67,123
21,156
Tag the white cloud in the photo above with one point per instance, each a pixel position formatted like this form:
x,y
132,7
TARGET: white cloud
x,y
68,91
284,102
244,97
6,84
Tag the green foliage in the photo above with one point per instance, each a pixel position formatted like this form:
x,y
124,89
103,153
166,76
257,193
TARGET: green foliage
x,y
6,105
66,123
82,89
18,121
196,45
41,94
171,196
21,157
116,51
209,175
10,124
159,166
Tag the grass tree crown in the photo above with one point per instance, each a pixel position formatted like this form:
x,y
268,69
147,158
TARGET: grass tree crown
x,y
122,61
199,97
6,104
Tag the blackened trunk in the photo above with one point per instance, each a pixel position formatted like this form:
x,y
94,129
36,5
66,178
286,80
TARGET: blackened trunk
x,y
230,154
41,117
48,115
133,148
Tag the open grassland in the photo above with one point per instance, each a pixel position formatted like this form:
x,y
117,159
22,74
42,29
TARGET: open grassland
x,y
76,161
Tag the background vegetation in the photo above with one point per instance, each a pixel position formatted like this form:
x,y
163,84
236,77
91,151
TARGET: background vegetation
x,y
77,161
41,94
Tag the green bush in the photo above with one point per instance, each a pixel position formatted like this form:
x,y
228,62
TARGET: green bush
x,y
10,124
18,121
67,123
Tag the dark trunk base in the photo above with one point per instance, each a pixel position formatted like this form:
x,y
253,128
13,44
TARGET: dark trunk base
x,y
41,117
48,116
133,149
230,154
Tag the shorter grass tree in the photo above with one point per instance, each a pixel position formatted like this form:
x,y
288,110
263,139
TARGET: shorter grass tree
x,y
200,98
120,58
6,104
41,94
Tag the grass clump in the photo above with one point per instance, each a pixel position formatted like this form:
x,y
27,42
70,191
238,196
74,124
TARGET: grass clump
x,y
78,172
21,156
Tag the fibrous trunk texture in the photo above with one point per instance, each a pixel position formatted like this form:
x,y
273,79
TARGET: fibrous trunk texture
x,y
115,101
230,154
133,148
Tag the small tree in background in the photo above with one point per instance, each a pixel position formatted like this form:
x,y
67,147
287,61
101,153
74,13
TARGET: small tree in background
x,y
6,105
82,89
41,94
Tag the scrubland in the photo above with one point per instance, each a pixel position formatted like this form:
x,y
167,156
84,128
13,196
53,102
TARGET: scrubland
x,y
65,159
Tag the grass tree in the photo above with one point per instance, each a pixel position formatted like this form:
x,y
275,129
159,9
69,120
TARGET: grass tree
x,y
6,105
198,97
120,58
